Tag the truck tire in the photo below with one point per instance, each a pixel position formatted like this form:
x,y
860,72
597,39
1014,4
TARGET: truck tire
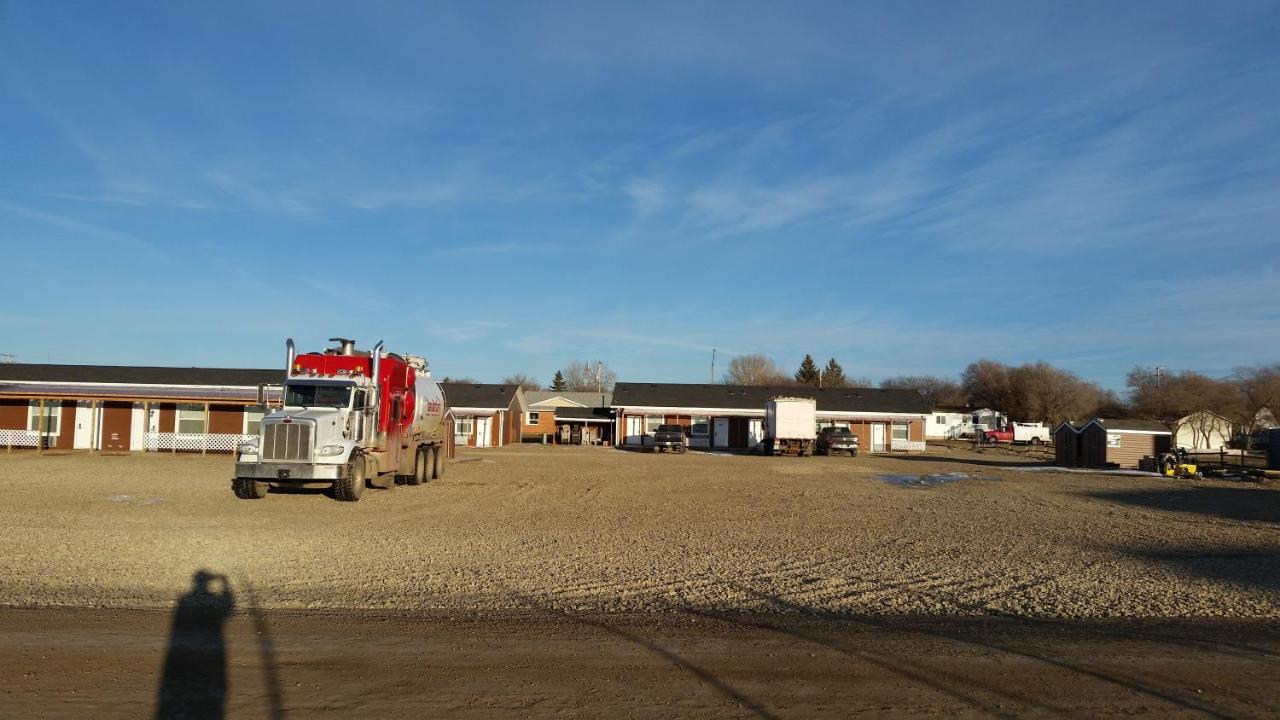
x,y
438,460
421,467
351,487
249,489
1036,441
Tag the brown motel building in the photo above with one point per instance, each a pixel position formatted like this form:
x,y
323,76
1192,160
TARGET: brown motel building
x,y
732,416
121,409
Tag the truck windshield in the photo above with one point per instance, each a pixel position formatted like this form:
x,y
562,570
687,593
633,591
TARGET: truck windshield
x,y
335,396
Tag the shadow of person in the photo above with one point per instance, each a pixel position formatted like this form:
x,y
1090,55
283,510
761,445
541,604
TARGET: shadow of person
x,y
194,679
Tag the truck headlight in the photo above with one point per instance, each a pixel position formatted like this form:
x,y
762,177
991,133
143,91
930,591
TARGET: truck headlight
x,y
331,450
249,448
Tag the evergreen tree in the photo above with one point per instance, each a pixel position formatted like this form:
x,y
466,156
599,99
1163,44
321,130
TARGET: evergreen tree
x,y
808,372
558,382
833,375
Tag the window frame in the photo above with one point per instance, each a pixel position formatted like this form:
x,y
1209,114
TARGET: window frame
x,y
52,410
466,421
906,431
533,417
178,418
653,422
252,425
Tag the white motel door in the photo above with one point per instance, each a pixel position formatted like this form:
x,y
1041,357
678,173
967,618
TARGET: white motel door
x,y
877,437
482,431
755,432
635,430
721,432
84,426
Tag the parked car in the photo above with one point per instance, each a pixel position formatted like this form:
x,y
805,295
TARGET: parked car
x,y
669,437
837,439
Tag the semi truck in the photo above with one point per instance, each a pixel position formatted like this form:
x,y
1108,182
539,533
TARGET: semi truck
x,y
348,418
790,426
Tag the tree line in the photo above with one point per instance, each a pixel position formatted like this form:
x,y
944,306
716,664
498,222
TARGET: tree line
x,y
1040,392
576,376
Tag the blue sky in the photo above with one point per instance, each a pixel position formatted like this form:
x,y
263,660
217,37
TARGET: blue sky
x,y
506,187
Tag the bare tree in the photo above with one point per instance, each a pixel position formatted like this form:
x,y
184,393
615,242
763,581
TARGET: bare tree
x,y
754,369
528,382
935,390
1175,397
1256,389
582,376
1032,392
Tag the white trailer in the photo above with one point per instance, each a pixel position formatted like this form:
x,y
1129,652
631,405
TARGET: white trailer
x,y
790,426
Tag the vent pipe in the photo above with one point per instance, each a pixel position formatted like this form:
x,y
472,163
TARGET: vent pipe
x,y
345,346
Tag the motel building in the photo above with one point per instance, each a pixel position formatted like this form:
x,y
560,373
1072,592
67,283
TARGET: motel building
x,y
732,416
116,409
484,414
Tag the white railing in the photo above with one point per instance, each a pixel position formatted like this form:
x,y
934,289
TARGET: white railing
x,y
907,445
22,438
193,442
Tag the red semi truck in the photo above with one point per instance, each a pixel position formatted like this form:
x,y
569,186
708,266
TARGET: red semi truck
x,y
348,418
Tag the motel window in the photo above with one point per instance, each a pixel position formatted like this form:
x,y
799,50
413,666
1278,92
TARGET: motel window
x,y
531,418
939,420
52,416
900,431
191,419
651,423
463,425
253,419
701,426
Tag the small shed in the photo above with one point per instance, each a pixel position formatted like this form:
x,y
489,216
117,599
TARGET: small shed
x,y
1068,444
1121,443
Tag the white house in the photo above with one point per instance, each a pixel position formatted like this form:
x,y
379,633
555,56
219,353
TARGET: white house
x,y
1203,431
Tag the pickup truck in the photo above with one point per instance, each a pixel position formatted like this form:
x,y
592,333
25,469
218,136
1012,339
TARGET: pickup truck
x,y
669,437
832,440
1030,433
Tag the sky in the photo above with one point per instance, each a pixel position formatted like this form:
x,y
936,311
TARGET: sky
x,y
505,187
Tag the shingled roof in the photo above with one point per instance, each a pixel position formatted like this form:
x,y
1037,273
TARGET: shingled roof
x,y
754,397
1128,425
137,375
479,395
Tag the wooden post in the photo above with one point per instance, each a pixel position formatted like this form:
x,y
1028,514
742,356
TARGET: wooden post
x,y
177,424
40,429
146,423
204,447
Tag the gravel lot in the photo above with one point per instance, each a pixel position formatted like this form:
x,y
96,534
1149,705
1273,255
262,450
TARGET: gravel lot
x,y
600,530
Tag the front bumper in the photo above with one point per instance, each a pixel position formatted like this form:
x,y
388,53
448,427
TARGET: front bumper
x,y
289,472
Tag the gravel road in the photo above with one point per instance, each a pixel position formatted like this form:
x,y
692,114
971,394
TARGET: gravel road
x,y
601,530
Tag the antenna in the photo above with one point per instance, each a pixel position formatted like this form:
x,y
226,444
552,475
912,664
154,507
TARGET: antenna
x,y
711,377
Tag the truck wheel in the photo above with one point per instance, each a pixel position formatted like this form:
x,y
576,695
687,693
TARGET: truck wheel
x,y
1035,441
249,489
438,460
351,487
420,470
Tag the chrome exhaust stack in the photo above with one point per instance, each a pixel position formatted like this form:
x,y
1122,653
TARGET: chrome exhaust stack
x,y
290,353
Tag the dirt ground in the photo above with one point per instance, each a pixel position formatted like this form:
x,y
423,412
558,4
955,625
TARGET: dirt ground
x,y
730,585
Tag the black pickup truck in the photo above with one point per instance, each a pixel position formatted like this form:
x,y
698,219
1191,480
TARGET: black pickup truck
x,y
669,437
832,440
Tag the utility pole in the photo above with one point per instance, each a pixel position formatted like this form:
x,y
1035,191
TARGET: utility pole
x,y
1158,371
711,377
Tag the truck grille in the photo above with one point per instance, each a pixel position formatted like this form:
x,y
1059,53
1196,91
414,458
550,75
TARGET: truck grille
x,y
287,441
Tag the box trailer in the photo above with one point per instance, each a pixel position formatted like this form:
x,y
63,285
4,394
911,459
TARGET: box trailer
x,y
790,426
